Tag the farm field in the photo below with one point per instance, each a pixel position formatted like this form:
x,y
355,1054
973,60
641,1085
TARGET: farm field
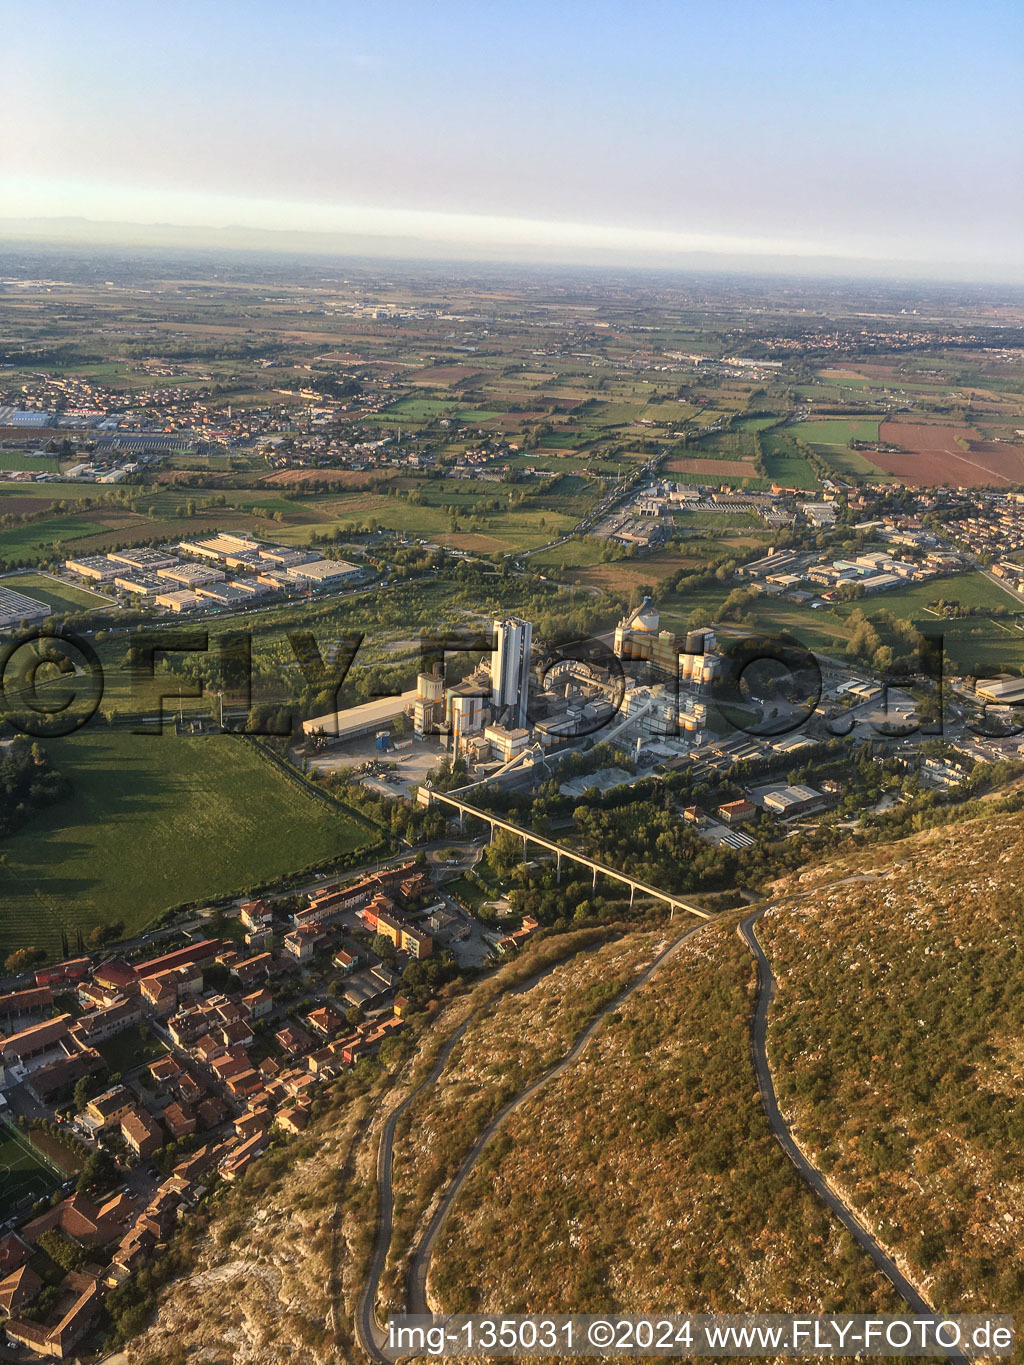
x,y
838,430
830,439
783,462
715,470
949,454
754,423
48,539
155,822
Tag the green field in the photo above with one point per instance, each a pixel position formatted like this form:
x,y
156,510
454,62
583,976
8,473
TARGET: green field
x,y
831,439
60,596
154,822
129,1049
719,521
520,528
754,423
838,431
574,554
971,589
46,492
46,539
23,1173
44,464
784,463
982,643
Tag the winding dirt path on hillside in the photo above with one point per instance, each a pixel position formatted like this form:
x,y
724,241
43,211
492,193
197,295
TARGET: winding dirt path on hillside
x,y
420,1266
812,1176
370,1336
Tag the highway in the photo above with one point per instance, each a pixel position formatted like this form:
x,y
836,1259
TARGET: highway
x,y
865,1239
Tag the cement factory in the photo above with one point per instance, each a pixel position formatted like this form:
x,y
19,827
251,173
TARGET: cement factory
x,y
648,694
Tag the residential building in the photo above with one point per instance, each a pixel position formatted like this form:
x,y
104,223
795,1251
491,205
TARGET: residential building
x,y
141,1132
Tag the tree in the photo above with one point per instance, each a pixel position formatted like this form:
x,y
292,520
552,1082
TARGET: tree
x,y
21,959
383,947
62,1251
99,1173
82,1095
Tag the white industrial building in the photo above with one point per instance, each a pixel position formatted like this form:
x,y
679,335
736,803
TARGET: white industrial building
x,y
510,670
15,607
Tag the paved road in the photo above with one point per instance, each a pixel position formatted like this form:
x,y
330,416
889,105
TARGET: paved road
x,y
814,1178
420,1266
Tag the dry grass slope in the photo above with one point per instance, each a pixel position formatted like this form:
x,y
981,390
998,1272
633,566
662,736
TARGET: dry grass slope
x,y
647,1178
896,1043
498,1056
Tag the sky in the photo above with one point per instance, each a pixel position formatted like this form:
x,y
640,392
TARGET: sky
x,y
641,132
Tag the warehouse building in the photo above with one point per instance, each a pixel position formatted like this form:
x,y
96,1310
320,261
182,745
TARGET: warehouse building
x,y
1001,691
180,601
15,607
191,575
324,573
144,559
360,720
100,568
795,800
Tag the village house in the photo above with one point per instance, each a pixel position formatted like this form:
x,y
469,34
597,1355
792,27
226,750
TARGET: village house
x,y
164,1070
250,970
141,1132
106,1111
238,1160
325,1020
344,960
80,1302
293,1119
301,943
179,1120
97,1025
257,1005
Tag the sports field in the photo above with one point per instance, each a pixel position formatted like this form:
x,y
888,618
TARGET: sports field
x,y
14,459
23,1173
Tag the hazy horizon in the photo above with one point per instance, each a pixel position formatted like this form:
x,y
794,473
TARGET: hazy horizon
x,y
868,139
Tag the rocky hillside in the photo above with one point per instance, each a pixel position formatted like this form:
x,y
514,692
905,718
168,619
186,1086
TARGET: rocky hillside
x,y
646,1177
897,1040
283,1255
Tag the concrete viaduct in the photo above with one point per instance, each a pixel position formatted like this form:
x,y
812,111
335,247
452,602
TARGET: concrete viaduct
x,y
428,796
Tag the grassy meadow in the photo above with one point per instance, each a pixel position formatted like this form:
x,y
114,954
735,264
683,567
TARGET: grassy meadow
x,y
154,822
